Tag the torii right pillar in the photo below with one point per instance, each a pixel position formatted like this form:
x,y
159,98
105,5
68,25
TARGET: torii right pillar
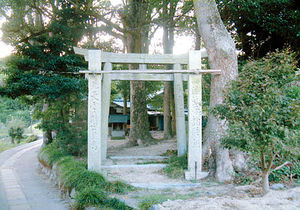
x,y
194,171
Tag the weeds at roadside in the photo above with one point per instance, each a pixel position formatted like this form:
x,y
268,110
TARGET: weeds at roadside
x,y
92,189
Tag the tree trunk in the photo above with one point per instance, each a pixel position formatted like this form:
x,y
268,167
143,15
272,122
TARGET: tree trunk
x,y
125,106
265,182
168,43
222,55
167,110
47,138
173,112
139,122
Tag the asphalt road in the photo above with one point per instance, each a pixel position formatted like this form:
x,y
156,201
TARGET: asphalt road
x,y
22,186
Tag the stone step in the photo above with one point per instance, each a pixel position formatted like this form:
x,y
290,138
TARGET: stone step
x,y
134,166
159,186
138,157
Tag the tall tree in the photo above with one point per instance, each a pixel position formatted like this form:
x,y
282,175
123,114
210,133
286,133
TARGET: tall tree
x,y
168,14
222,55
135,19
41,70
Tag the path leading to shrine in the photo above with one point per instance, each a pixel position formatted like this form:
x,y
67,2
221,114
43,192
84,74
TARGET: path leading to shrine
x,y
22,186
126,164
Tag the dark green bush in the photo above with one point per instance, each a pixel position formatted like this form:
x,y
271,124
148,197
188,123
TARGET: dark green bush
x,y
16,133
261,108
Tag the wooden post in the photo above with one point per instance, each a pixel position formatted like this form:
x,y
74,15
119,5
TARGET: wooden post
x,y
105,102
94,111
195,119
179,110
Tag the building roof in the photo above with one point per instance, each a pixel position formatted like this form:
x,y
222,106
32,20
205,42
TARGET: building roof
x,y
118,118
120,103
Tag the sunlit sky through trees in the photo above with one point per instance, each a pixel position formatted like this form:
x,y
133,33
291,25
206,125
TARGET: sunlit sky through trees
x,y
182,43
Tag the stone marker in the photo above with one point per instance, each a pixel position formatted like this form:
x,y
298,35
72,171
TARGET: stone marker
x,y
94,111
195,120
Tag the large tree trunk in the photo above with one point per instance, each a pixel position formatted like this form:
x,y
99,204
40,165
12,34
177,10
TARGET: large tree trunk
x,y
222,55
168,43
139,122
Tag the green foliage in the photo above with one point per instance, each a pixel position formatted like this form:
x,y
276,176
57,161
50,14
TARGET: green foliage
x,y
50,154
16,133
41,71
90,196
262,109
31,138
261,26
286,173
67,118
14,109
176,166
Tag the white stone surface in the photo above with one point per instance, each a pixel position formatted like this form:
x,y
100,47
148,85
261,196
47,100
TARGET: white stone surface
x,y
105,100
179,111
195,119
94,111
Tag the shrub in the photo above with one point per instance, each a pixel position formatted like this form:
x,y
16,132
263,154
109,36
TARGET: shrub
x,y
16,133
31,138
262,110
15,130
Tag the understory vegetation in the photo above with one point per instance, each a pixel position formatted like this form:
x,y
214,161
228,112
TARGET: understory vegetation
x,y
92,189
176,166
262,111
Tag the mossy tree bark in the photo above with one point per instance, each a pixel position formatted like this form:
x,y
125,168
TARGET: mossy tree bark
x,y
136,21
222,55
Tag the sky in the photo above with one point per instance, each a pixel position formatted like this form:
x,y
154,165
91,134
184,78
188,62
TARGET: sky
x,y
5,49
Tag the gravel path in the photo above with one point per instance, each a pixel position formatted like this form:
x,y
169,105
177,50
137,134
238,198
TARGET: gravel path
x,y
21,184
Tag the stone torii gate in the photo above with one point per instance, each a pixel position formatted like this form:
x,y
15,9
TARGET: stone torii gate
x,y
99,85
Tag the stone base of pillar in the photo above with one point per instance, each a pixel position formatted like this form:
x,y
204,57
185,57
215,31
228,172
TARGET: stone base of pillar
x,y
191,175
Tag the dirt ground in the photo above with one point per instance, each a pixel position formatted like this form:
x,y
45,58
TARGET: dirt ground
x,y
176,194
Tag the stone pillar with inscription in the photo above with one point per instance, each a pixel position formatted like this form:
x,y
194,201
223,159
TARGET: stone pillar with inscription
x,y
194,171
94,111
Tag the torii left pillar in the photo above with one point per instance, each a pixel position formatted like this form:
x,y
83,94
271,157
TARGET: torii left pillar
x,y
94,110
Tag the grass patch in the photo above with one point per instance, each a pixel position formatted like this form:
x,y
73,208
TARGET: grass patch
x,y
92,189
153,199
4,145
176,166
